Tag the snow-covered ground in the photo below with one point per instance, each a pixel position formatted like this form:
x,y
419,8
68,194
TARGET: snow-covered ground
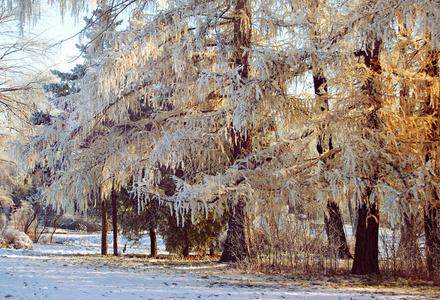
x,y
68,243
73,270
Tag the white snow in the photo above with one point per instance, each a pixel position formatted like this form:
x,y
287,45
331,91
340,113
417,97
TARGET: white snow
x,y
74,270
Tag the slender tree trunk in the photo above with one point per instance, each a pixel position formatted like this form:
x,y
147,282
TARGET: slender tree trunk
x,y
37,235
153,242
238,243
115,222
104,228
28,222
334,228
52,234
367,239
55,222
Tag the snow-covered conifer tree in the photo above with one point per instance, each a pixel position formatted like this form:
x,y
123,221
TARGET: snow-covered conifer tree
x,y
218,90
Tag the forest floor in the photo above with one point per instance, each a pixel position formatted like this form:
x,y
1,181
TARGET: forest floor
x,y
77,271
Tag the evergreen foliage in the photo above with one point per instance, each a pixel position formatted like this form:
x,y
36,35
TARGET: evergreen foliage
x,y
136,220
40,118
23,190
201,235
68,85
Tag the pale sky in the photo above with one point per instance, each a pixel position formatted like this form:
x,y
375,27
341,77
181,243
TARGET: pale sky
x,y
53,28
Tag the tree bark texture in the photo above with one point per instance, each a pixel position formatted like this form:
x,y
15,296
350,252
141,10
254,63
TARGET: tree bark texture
x,y
153,242
238,244
432,237
334,228
366,251
104,247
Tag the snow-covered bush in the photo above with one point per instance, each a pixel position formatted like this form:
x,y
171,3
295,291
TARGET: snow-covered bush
x,y
15,239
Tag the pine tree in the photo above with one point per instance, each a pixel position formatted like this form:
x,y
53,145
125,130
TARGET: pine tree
x,y
135,219
200,235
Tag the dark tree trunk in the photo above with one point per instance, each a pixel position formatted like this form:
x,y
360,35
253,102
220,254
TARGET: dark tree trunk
x,y
30,221
432,237
321,89
185,252
153,242
366,260
104,250
242,36
52,234
334,228
186,249
115,222
239,237
238,242
366,253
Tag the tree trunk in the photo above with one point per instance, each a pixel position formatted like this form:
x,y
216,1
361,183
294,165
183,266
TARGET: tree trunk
x,y
185,251
115,222
28,222
242,36
239,237
104,228
38,234
52,234
432,237
238,242
334,228
153,242
408,250
431,209
366,256
55,221
366,251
